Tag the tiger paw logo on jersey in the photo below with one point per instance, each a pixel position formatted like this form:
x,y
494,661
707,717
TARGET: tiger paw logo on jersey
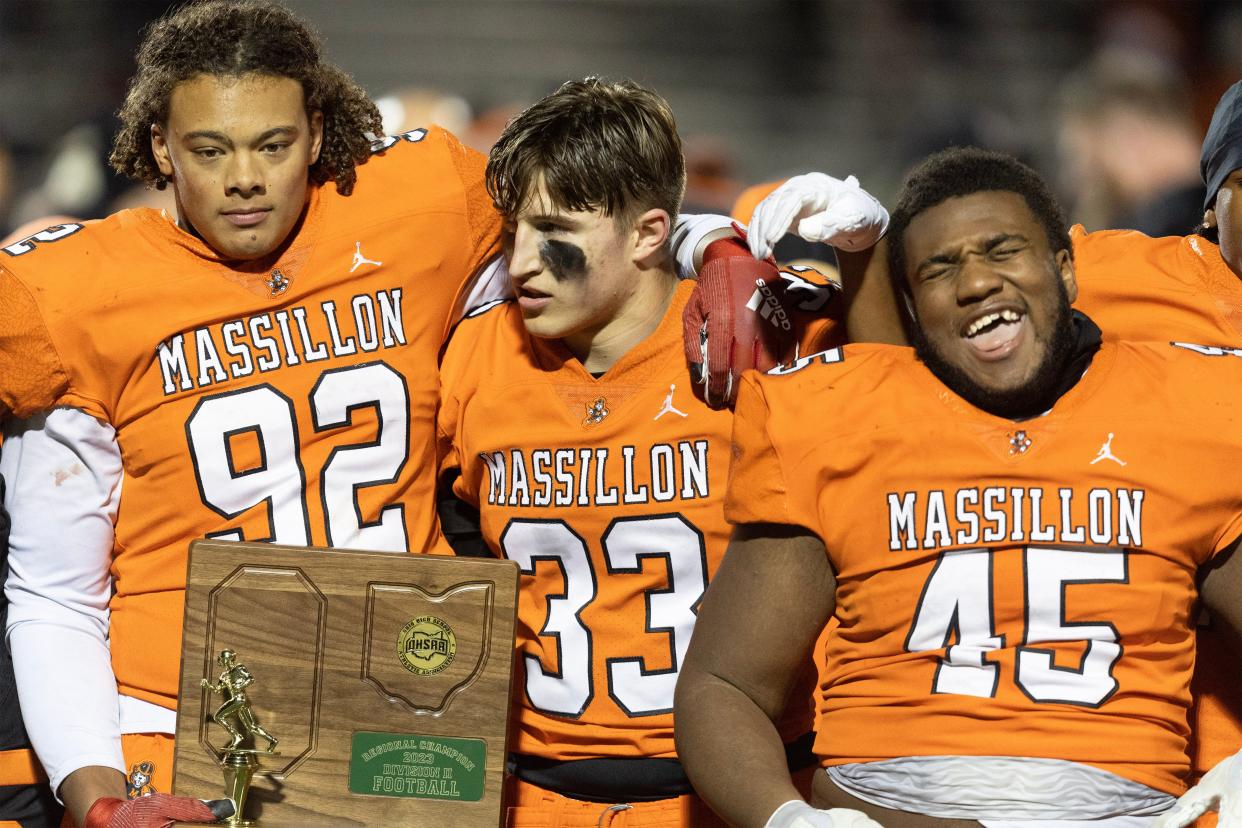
x,y
596,412
426,646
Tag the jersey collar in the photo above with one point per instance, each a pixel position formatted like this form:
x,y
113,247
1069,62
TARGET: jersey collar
x,y
272,275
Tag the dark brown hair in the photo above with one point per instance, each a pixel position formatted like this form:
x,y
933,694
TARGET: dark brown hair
x,y
600,145
963,171
231,38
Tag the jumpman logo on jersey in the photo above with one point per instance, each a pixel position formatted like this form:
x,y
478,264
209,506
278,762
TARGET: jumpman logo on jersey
x,y
668,407
360,260
1106,452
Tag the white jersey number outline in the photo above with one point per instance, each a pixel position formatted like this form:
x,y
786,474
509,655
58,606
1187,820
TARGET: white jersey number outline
x,y
956,602
280,479
626,543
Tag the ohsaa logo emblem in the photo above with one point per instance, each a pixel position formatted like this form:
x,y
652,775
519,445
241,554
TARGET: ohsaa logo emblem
x,y
426,645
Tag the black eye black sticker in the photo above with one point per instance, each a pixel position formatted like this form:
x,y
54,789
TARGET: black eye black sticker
x,y
565,260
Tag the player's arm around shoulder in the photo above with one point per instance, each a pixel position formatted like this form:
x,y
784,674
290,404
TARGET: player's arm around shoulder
x,y
838,212
870,305
1126,265
417,156
429,175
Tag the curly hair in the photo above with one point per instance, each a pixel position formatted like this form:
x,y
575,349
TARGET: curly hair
x,y
962,171
599,144
232,38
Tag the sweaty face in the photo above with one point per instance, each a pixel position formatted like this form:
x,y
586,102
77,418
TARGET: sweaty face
x,y
237,151
1228,212
571,271
990,300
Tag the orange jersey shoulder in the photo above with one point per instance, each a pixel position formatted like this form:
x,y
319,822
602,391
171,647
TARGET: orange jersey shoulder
x,y
60,278
431,182
1141,288
767,405
488,336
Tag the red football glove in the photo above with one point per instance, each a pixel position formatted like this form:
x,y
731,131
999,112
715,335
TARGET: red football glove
x,y
742,315
154,811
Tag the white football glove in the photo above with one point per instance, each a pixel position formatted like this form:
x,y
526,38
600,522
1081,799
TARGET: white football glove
x,y
797,814
1220,789
819,208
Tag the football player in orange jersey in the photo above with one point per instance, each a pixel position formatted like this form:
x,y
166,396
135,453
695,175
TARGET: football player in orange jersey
x,y
260,366
259,140
1013,524
1186,288
569,416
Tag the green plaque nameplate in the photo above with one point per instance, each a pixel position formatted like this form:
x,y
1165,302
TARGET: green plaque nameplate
x,y
424,767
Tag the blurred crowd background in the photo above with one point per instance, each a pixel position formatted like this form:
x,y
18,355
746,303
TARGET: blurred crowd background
x,y
1108,98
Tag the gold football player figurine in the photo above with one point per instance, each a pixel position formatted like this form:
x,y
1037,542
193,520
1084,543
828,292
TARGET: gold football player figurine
x,y
235,716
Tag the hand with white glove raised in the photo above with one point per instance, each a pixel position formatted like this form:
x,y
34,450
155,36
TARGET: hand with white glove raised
x,y
1220,789
819,208
797,814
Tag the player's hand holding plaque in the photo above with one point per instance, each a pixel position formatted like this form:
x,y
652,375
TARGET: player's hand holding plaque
x,y
385,676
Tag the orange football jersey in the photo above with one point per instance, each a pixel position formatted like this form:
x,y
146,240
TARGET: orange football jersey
x,y
295,405
1179,289
1004,588
608,492
1142,289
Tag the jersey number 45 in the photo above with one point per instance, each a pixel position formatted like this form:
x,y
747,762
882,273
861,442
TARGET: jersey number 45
x,y
957,602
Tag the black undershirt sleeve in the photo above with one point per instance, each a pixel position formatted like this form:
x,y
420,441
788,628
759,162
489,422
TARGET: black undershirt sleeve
x,y
459,520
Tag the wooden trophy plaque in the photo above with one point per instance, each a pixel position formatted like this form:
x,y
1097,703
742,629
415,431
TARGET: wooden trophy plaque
x,y
383,677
